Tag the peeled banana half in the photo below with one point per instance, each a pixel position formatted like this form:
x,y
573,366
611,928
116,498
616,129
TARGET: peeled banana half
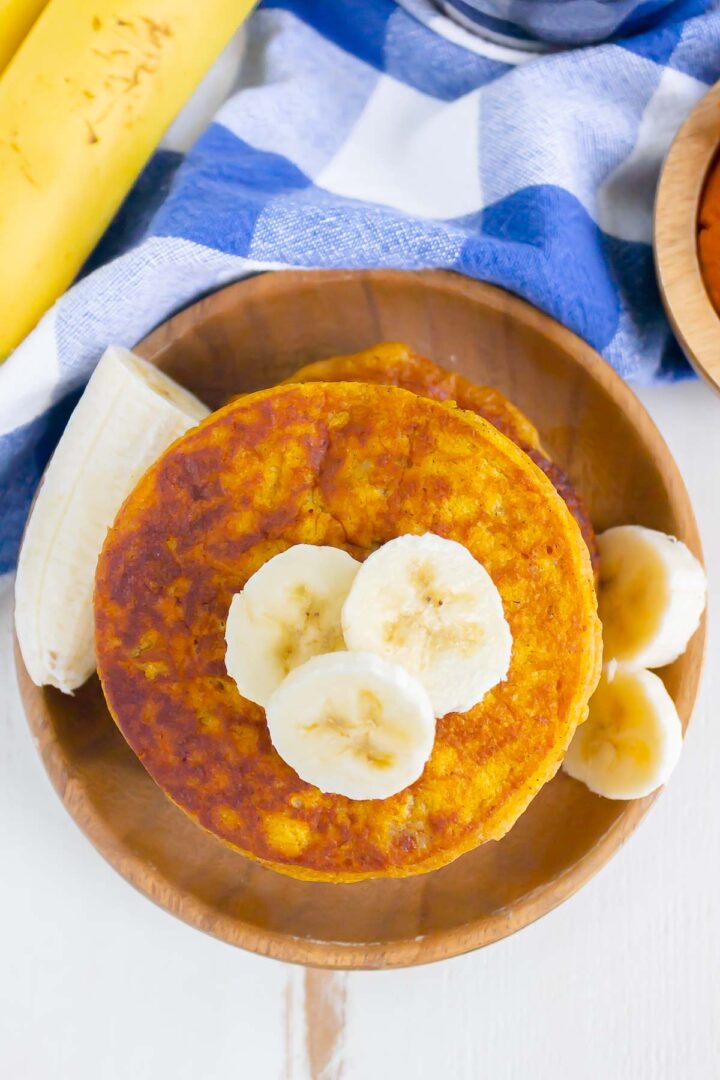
x,y
129,413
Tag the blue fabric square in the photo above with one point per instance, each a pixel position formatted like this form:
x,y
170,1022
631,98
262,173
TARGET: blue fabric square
x,y
222,189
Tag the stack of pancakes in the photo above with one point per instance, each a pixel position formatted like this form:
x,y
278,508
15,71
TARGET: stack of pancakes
x,y
350,452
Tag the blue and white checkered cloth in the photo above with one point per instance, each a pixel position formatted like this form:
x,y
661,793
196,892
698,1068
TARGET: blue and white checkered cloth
x,y
363,133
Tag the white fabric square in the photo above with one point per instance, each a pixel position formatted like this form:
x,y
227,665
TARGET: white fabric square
x,y
625,199
412,152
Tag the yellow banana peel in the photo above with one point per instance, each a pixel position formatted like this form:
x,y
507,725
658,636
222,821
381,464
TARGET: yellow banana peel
x,y
82,106
16,18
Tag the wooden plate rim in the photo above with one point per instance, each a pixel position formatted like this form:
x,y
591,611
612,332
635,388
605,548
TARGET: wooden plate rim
x,y
693,318
149,881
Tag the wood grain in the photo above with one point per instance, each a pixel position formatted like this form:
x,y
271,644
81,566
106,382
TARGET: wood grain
x,y
315,1003
693,318
324,1023
251,335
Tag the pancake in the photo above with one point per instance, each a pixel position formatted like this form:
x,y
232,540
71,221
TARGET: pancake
x,y
352,465
395,364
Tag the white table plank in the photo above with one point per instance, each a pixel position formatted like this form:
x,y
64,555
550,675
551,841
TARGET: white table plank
x,y
623,981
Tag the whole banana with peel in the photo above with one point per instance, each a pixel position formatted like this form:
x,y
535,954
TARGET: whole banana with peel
x,y
83,104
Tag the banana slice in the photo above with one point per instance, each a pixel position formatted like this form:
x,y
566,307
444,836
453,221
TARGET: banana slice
x,y
425,603
352,724
288,612
632,738
129,413
651,596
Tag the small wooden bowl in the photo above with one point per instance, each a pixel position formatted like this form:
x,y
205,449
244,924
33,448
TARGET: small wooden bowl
x,y
694,320
252,335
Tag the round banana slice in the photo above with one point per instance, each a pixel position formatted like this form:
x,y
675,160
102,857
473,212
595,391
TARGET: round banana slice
x,y
288,612
425,603
651,596
631,740
352,724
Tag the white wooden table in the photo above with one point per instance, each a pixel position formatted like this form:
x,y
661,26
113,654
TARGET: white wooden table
x,y
620,983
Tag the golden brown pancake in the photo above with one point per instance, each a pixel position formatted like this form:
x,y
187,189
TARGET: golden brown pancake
x,y
352,465
395,364
564,487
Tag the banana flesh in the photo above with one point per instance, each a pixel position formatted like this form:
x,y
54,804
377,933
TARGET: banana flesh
x,y
352,724
651,596
425,603
632,738
353,662
288,612
129,413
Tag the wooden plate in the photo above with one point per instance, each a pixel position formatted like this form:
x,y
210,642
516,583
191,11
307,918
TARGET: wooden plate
x,y
694,320
249,336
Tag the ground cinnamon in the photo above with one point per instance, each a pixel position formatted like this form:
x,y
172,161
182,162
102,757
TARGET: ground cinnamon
x,y
709,235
